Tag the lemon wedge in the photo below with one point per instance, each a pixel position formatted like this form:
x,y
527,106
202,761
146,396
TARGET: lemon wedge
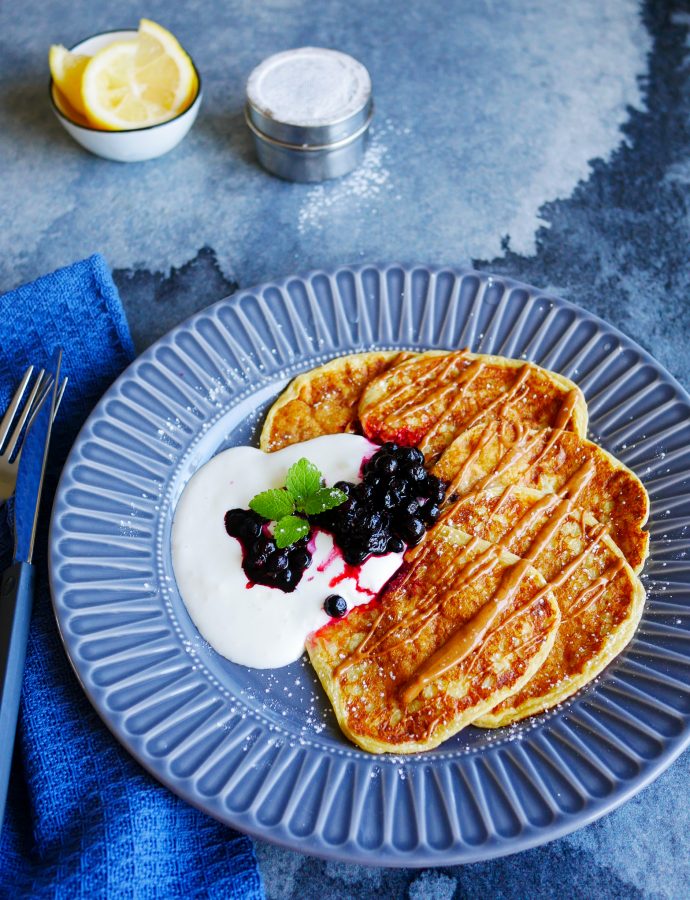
x,y
67,70
139,82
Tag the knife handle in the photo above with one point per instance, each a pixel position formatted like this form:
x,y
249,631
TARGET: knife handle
x,y
16,600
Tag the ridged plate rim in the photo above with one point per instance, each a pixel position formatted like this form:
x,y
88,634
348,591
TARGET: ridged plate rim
x,y
480,774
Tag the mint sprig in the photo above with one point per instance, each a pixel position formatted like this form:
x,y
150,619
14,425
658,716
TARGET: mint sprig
x,y
323,499
302,480
290,529
274,504
304,492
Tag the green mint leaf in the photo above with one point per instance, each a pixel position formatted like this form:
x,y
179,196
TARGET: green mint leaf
x,y
290,529
274,504
302,479
323,499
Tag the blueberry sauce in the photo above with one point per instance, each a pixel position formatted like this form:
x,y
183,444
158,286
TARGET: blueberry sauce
x,y
392,507
263,562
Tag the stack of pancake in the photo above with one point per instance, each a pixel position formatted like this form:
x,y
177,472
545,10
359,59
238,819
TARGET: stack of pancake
x,y
527,586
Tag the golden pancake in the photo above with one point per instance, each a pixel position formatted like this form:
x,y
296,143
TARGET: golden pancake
x,y
493,456
427,401
323,400
600,597
462,626
524,590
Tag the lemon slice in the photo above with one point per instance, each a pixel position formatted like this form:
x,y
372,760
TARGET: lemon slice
x,y
67,70
139,82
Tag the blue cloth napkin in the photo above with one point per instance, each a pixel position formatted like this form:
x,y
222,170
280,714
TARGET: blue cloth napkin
x,y
83,819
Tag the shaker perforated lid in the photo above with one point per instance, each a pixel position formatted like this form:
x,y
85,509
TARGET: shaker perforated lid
x,y
309,97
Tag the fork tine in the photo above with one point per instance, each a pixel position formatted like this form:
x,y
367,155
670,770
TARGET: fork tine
x,y
6,423
45,391
38,403
37,407
28,408
60,395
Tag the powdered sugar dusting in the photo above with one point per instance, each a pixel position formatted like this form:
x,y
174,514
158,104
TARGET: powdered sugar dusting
x,y
363,186
311,86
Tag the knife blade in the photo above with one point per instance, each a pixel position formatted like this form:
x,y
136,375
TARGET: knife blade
x,y
16,589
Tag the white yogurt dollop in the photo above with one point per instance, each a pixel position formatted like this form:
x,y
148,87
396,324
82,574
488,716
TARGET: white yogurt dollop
x,y
256,625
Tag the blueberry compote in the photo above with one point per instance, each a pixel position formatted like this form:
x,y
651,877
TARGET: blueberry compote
x,y
263,562
392,507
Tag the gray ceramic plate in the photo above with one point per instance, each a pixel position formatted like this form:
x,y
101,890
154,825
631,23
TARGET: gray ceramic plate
x,y
261,750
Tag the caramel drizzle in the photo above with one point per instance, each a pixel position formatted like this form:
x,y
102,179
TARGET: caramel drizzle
x,y
575,562
594,591
423,401
505,400
569,496
429,606
515,424
565,413
464,381
463,641
425,615
467,639
527,520
563,502
584,601
555,584
524,445
481,565
444,364
506,494
520,448
473,633
554,436
532,641
489,432
460,384
439,372
542,506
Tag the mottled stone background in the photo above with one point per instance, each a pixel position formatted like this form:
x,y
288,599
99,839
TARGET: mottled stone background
x,y
545,140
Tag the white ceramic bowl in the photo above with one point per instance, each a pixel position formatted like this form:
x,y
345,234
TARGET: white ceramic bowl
x,y
137,144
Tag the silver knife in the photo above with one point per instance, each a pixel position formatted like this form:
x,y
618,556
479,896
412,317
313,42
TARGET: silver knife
x,y
16,590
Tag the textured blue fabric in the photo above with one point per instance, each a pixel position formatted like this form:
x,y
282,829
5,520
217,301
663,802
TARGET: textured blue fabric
x,y
83,819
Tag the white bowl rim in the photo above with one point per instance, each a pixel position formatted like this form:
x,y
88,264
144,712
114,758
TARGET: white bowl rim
x,y
89,128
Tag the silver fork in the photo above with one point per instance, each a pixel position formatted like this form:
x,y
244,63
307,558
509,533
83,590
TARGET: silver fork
x,y
20,413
